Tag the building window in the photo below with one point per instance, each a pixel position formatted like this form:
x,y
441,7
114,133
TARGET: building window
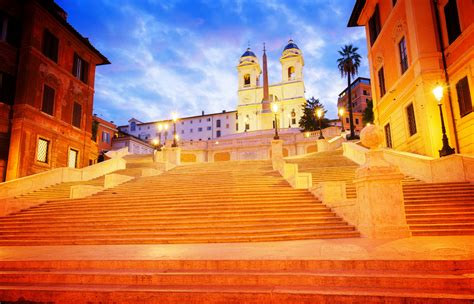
x,y
227,126
77,115
190,130
218,123
50,46
106,137
464,97
394,2
402,49
218,133
209,128
236,126
291,73
7,88
10,30
182,131
246,80
48,100
80,68
191,122
199,129
381,82
452,20
139,128
411,120
72,158
133,126
42,150
374,25
388,136
208,119
347,119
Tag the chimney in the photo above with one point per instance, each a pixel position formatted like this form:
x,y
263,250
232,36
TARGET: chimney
x,y
202,113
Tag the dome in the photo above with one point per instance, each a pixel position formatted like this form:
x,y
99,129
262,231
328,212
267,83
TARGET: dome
x,y
247,53
291,45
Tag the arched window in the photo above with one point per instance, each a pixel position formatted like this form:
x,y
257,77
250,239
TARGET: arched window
x,y
246,80
291,73
293,117
133,126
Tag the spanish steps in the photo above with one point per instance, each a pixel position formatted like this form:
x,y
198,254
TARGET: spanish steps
x,y
235,202
431,208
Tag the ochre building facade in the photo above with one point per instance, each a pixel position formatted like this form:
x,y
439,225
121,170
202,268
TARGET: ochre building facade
x,y
414,46
47,87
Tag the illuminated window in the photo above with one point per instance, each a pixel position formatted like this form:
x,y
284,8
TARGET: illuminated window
x,y
80,68
374,25
388,136
77,115
246,80
402,49
42,150
291,73
48,100
411,119
464,97
452,20
50,46
72,158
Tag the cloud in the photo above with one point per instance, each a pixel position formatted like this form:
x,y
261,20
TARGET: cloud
x,y
181,55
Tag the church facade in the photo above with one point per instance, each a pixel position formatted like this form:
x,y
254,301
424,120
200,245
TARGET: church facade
x,y
253,107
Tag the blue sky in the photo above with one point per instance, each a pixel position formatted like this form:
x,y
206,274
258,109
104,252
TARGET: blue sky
x,y
172,55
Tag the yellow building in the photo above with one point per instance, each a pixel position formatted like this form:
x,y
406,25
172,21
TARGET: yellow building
x,y
253,108
414,46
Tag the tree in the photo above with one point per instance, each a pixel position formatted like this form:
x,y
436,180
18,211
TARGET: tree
x,y
368,113
95,127
309,121
348,65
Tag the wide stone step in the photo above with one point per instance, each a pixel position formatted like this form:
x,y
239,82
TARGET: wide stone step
x,y
166,233
442,226
188,239
431,209
142,208
446,231
160,277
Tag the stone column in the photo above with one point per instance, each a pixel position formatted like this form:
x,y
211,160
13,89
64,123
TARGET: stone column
x,y
277,154
322,145
172,155
380,209
158,156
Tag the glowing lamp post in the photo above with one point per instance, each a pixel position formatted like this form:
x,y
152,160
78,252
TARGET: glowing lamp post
x,y
160,129
275,111
319,113
174,115
446,150
155,143
341,114
166,126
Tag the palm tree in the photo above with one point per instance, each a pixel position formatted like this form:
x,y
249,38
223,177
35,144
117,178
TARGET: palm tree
x,y
348,65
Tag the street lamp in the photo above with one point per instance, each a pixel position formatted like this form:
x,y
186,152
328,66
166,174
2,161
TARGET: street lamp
x,y
341,114
446,150
166,126
174,115
155,143
160,128
319,113
275,111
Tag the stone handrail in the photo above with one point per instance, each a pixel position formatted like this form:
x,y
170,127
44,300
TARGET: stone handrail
x,y
452,168
59,175
117,153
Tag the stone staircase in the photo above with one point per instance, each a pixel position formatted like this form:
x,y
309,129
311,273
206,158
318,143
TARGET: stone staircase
x,y
431,208
58,191
237,281
440,208
201,203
